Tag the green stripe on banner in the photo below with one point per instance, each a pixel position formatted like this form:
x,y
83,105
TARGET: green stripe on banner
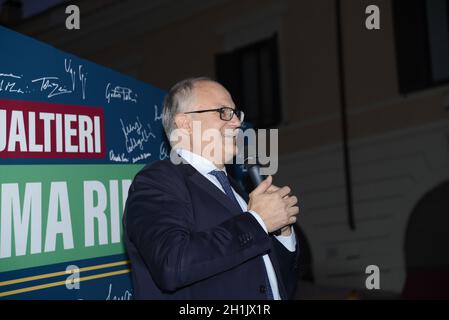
x,y
59,213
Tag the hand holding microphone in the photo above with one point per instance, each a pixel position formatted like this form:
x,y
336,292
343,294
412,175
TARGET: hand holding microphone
x,y
274,205
285,231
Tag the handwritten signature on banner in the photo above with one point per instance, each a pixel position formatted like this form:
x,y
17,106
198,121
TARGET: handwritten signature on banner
x,y
118,92
54,86
136,134
49,85
163,151
157,115
117,157
81,76
8,83
125,296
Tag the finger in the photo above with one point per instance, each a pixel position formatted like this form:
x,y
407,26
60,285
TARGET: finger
x,y
291,201
273,188
293,211
292,219
263,186
283,191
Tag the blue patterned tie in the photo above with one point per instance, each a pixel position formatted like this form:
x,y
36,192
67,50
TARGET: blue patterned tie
x,y
224,181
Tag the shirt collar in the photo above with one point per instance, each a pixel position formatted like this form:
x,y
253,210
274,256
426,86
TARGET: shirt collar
x,y
201,164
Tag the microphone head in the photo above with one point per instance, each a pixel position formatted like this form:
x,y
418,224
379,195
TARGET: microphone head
x,y
252,166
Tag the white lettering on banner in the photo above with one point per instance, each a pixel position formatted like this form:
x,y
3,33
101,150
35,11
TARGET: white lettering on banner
x,y
2,125
85,134
21,216
46,117
17,132
114,208
31,132
12,215
97,137
59,202
95,212
69,131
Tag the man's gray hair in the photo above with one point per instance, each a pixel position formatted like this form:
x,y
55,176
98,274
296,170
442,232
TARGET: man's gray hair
x,y
175,101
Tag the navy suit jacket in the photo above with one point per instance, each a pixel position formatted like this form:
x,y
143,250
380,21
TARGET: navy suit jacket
x,y
187,240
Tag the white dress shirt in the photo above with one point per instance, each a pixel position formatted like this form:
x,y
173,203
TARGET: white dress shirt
x,y
204,166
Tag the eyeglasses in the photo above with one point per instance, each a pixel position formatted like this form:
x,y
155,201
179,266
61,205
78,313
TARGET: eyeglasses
x,y
226,113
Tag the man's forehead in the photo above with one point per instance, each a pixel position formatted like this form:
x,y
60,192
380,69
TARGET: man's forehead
x,y
213,91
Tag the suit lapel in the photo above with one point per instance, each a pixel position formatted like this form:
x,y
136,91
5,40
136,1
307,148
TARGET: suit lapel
x,y
199,180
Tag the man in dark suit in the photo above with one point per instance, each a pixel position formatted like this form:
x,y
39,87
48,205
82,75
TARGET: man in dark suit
x,y
190,231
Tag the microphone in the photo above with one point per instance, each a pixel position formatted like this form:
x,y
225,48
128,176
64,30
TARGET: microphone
x,y
252,166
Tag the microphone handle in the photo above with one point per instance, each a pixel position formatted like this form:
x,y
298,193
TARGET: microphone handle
x,y
256,178
254,174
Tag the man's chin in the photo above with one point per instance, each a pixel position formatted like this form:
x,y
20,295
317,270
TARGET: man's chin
x,y
230,151
229,157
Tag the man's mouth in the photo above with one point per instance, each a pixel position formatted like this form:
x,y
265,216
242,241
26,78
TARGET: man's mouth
x,y
230,138
230,134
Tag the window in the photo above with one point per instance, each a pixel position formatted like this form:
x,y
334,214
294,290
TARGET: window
x,y
422,43
251,74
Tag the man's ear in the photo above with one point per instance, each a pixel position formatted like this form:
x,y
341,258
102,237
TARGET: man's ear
x,y
183,121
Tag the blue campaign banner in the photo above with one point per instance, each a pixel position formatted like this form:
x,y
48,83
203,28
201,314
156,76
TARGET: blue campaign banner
x,y
72,136
36,72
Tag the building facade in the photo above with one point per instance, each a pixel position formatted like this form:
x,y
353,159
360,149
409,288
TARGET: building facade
x,y
280,59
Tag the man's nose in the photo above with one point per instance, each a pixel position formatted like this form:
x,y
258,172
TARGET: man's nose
x,y
235,121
